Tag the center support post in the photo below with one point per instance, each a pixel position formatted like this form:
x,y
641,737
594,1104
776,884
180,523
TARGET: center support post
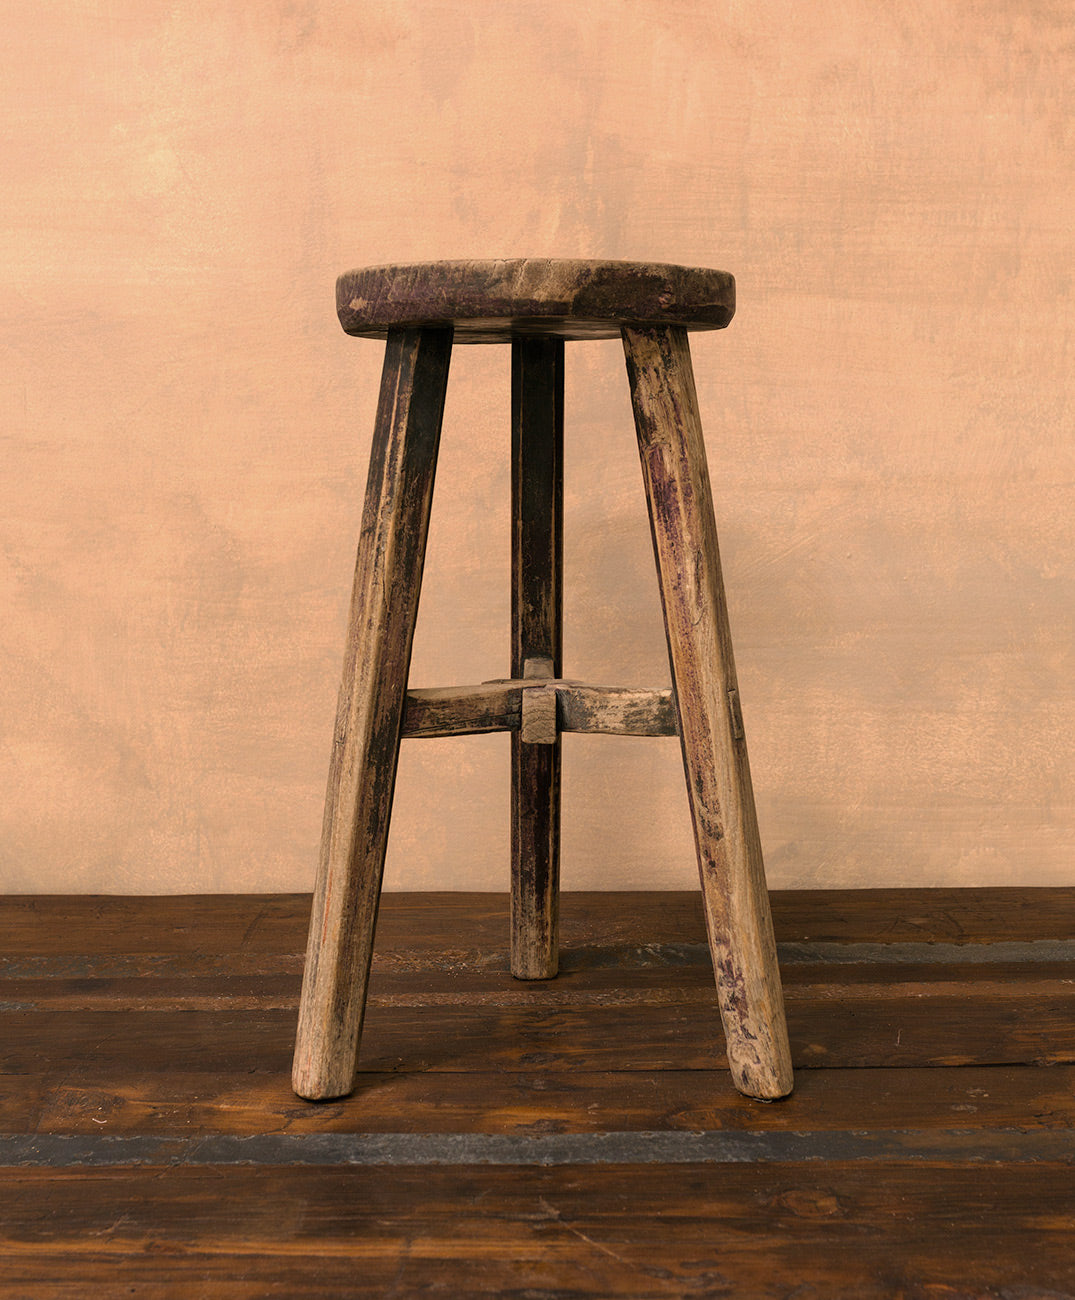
x,y
537,495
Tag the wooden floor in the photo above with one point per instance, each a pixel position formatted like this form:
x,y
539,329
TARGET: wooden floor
x,y
575,1138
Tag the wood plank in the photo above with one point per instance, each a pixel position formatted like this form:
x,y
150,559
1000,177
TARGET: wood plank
x,y
104,924
766,1230
875,1031
245,927
945,1189
92,1099
488,984
738,918
974,915
818,964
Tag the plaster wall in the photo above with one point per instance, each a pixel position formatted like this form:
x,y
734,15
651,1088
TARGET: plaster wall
x,y
185,429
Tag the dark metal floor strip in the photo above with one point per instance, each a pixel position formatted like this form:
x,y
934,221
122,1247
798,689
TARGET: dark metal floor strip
x,y
944,1146
925,954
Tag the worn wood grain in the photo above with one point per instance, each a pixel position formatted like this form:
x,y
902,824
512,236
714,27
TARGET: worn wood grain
x,y
494,301
151,1098
235,934
918,1232
384,606
616,710
538,724
463,710
498,706
424,1033
916,1144
703,672
537,547
615,976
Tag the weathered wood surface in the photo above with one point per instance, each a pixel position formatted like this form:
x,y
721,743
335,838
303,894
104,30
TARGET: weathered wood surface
x,y
616,710
151,1098
369,717
492,301
463,710
497,706
897,1179
635,992
703,672
617,976
537,718
842,1230
537,564
446,1033
92,936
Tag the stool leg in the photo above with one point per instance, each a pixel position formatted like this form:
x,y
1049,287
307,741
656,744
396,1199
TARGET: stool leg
x,y
537,489
703,672
365,751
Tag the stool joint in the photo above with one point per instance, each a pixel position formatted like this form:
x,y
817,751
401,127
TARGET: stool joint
x,y
539,707
538,722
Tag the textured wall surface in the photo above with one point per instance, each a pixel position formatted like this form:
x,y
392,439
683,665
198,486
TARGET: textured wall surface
x,y
185,428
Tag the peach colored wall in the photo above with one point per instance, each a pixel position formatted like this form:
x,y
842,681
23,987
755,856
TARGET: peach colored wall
x,y
185,428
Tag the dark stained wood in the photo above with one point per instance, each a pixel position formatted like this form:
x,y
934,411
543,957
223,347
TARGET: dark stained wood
x,y
384,606
94,936
777,1230
905,1173
537,508
703,673
423,1032
976,915
275,924
94,1099
494,301
602,977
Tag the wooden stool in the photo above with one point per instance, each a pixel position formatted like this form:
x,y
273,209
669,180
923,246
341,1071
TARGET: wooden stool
x,y
536,305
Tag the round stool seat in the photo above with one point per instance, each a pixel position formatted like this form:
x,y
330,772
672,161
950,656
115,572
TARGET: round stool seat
x,y
492,301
